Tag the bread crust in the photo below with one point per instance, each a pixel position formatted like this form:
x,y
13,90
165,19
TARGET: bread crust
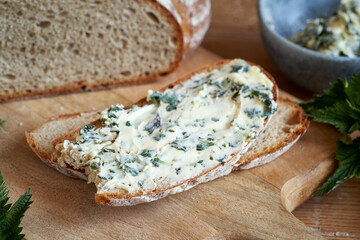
x,y
187,33
132,199
276,151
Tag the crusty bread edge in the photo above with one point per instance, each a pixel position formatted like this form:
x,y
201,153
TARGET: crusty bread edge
x,y
277,150
84,85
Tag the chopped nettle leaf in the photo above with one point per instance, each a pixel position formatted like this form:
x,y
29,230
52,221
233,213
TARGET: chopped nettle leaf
x,y
252,112
156,161
154,124
111,115
237,68
178,170
94,166
128,123
340,107
130,170
115,108
103,121
202,145
215,119
146,153
159,136
12,214
168,97
109,150
176,144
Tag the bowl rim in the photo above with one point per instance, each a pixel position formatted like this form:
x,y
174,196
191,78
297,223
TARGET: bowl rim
x,y
314,53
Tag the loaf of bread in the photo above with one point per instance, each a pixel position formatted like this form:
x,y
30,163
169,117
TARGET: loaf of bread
x,y
50,47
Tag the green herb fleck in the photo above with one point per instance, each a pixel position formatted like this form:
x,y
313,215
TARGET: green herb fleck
x,y
109,150
146,153
215,119
156,162
176,144
128,123
94,166
154,124
159,136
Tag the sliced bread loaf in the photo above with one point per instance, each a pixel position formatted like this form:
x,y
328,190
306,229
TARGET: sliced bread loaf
x,y
49,47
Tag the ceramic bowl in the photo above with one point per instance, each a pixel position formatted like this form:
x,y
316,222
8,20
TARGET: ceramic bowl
x,y
281,19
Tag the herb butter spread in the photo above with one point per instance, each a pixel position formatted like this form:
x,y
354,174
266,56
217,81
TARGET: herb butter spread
x,y
337,36
186,131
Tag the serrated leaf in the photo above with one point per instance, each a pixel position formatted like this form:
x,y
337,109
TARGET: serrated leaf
x,y
353,93
332,95
348,155
12,214
337,115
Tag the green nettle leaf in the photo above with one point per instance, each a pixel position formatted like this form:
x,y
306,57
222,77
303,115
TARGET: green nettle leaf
x,y
348,155
12,214
340,107
337,115
335,93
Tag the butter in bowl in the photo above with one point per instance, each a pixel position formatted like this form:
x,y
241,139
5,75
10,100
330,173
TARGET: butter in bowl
x,y
312,42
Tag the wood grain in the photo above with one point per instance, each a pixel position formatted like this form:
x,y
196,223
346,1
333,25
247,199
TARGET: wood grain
x,y
234,32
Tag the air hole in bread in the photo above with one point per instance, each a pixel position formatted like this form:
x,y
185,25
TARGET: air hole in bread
x,y
124,43
294,119
87,34
31,34
23,49
132,10
10,76
44,24
64,13
76,52
100,35
19,13
71,45
60,48
108,27
153,17
125,73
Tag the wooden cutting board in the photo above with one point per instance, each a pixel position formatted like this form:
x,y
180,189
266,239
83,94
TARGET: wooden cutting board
x,y
251,204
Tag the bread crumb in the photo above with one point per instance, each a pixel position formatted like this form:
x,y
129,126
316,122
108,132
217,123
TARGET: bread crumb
x,y
20,123
61,108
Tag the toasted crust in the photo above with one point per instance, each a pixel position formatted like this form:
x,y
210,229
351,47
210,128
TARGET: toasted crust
x,y
299,116
132,199
177,14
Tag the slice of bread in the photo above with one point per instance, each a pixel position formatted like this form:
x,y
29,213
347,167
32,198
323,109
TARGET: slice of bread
x,y
285,128
64,46
289,124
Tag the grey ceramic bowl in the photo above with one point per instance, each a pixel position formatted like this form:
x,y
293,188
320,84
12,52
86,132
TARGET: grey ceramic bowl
x,y
279,20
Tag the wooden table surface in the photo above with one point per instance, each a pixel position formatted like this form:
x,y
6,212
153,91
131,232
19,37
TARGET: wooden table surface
x,y
234,32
